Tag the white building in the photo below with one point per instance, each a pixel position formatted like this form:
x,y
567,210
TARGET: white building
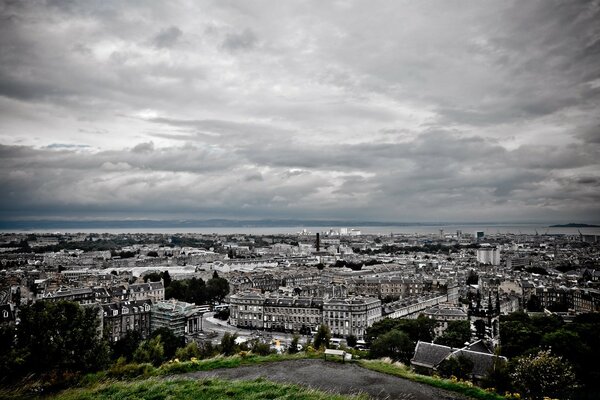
x,y
488,255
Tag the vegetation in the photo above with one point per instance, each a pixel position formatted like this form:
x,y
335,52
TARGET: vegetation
x,y
213,389
456,334
197,291
416,329
465,388
52,339
322,337
544,375
577,343
394,344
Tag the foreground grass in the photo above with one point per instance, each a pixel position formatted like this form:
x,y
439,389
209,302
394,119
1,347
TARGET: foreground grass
x,y
133,371
464,388
214,389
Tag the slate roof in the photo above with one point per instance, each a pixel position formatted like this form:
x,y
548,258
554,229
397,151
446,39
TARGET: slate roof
x,y
482,362
429,355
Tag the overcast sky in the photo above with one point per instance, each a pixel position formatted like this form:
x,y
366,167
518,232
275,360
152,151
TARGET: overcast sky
x,y
372,110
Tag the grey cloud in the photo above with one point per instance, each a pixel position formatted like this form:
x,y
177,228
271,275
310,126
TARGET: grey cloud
x,y
301,109
167,37
143,148
240,41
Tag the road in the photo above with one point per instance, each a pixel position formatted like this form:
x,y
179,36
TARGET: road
x,y
212,324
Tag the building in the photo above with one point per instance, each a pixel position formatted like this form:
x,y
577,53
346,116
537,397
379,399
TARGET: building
x,y
119,318
301,314
429,356
443,316
183,319
154,291
488,255
246,310
344,316
351,316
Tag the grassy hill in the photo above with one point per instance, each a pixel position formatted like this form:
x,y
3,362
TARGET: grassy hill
x,y
213,389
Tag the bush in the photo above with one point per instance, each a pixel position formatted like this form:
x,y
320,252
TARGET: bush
x,y
261,348
544,375
122,370
188,352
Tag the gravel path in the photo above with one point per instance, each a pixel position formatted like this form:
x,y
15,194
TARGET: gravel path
x,y
332,377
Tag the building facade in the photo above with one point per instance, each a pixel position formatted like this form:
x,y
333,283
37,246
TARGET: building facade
x,y
120,318
183,319
343,316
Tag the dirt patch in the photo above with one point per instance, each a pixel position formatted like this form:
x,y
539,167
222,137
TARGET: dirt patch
x,y
333,377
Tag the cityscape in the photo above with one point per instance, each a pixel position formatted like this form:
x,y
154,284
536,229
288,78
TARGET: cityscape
x,y
452,296
341,200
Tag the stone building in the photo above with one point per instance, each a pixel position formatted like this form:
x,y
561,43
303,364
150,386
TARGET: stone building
x,y
183,319
351,316
293,314
119,318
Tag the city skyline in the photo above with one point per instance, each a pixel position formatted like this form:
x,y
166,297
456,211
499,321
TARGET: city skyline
x,y
400,111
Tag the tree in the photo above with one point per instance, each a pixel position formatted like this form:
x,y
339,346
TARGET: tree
x,y
228,345
166,277
188,352
544,375
472,277
394,344
169,341
127,345
294,345
498,377
534,304
351,340
61,336
150,351
217,289
460,367
322,337
456,334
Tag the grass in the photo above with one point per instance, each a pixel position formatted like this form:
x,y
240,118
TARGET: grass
x,y
214,389
401,371
141,371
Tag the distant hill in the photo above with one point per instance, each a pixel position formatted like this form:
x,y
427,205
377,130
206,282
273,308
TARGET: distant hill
x,y
572,225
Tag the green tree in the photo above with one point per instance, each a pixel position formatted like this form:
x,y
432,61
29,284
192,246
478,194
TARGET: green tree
x,y
294,345
228,345
186,353
127,345
261,348
166,278
169,341
498,377
150,351
394,344
217,289
322,337
544,375
460,367
61,336
351,340
456,334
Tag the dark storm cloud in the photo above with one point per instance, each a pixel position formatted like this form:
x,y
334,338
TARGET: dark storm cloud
x,y
407,110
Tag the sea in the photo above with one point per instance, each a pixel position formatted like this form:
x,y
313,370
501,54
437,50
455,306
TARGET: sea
x,y
488,229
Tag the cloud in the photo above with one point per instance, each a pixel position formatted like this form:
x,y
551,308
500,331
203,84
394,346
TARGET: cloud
x,y
240,41
483,112
167,37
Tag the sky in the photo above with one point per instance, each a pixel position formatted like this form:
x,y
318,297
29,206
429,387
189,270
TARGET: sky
x,y
408,111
